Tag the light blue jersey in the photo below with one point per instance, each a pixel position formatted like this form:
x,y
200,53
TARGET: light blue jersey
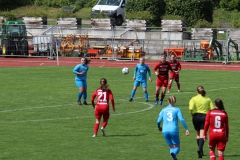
x,y
140,72
170,116
81,68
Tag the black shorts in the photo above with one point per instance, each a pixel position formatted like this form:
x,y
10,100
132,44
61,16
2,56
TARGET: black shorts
x,y
198,120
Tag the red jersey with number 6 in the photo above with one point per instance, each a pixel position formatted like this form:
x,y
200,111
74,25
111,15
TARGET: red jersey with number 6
x,y
217,122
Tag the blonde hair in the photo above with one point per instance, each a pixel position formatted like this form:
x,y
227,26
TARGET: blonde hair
x,y
172,100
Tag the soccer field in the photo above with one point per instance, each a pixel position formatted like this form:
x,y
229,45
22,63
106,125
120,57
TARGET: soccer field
x,y
41,120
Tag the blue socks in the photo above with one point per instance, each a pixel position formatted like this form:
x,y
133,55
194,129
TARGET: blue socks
x,y
85,96
133,93
79,95
174,150
146,95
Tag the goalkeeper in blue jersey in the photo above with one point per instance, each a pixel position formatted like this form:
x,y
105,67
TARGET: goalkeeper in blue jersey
x,y
81,79
170,115
140,77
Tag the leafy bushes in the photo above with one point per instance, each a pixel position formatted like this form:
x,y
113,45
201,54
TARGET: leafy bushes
x,y
9,16
154,10
191,10
230,5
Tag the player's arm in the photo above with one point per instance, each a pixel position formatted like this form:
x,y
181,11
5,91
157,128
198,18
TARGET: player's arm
x,y
179,66
206,125
135,72
180,117
149,74
76,70
160,117
155,69
112,100
227,127
92,99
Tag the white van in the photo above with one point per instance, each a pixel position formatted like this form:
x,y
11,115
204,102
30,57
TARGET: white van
x,y
112,8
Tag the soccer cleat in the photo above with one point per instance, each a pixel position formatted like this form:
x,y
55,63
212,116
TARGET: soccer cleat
x,y
103,132
199,154
173,156
94,135
130,100
160,103
156,102
178,90
79,102
168,91
85,103
146,100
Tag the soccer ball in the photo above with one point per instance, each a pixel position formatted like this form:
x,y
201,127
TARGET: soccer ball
x,y
125,70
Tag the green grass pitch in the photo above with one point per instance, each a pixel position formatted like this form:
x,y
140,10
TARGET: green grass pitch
x,y
40,118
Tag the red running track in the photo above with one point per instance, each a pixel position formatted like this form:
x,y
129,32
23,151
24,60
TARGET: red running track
x,y
67,61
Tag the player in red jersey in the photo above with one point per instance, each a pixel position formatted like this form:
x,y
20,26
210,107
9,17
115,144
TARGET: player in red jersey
x,y
217,123
161,70
103,93
176,66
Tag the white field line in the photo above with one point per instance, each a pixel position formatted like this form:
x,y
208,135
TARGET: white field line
x,y
69,118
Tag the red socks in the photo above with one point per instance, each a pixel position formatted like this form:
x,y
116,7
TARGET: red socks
x,y
104,124
96,126
162,96
220,157
212,155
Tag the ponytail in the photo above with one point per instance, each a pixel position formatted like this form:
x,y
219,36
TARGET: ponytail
x,y
201,90
172,100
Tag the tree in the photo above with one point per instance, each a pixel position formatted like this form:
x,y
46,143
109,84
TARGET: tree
x,y
191,10
230,5
154,9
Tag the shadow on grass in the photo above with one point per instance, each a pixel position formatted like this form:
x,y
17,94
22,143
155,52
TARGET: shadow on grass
x,y
127,135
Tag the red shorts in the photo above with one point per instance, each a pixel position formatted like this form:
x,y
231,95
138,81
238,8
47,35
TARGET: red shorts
x,y
102,110
162,82
173,75
217,139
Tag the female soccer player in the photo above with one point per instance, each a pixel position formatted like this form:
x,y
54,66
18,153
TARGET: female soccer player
x,y
170,130
217,123
198,106
161,70
176,66
81,79
103,93
140,77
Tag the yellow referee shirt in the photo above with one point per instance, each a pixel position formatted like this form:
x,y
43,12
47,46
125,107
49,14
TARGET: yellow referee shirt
x,y
200,104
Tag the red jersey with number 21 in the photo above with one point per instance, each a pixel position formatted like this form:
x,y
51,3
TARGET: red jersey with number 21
x,y
102,98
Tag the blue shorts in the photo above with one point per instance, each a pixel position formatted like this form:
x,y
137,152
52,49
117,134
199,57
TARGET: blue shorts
x,y
171,138
137,84
81,83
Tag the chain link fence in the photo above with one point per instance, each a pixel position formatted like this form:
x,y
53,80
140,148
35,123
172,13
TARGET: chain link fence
x,y
72,41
